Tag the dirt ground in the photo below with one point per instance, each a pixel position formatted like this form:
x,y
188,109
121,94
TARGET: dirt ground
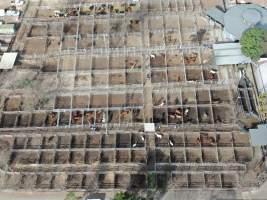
x,y
85,89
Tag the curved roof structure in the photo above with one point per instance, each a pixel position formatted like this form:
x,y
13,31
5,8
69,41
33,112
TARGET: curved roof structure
x,y
239,18
242,17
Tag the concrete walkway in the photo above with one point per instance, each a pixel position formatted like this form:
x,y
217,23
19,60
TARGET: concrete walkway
x,y
49,195
32,195
258,194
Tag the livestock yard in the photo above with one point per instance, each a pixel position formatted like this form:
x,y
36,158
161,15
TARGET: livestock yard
x,y
72,111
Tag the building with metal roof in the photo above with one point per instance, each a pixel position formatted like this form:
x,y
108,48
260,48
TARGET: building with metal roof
x,y
7,29
259,136
239,18
261,75
229,54
8,60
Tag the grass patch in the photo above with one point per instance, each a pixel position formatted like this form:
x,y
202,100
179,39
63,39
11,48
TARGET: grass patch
x,y
152,180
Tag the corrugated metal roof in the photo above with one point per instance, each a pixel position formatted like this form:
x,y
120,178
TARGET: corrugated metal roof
x,y
259,136
7,29
229,54
8,60
261,75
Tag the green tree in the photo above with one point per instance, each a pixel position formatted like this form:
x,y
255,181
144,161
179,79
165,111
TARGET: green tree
x,y
127,196
71,196
252,42
263,103
152,180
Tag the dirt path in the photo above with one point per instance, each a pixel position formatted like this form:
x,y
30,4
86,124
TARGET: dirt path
x,y
148,102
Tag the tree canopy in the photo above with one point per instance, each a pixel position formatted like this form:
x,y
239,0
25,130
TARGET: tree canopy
x,y
71,196
263,103
252,42
127,196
